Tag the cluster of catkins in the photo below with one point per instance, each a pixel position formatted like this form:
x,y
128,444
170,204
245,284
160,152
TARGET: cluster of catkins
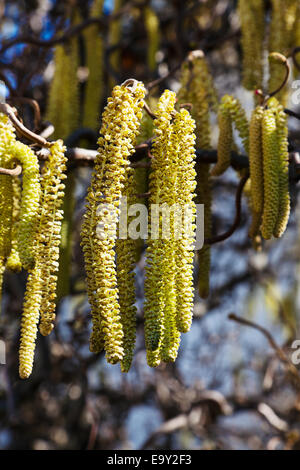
x,y
30,232
265,140
281,35
110,260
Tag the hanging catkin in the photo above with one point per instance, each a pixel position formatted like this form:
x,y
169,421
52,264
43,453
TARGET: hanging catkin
x,y
30,203
271,176
7,139
225,141
94,63
41,283
13,261
197,88
115,30
49,232
63,100
284,195
29,323
251,13
185,194
153,36
154,284
281,39
169,269
120,124
126,257
230,112
256,170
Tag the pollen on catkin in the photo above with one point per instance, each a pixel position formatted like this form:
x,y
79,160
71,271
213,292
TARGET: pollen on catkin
x,y
120,124
256,170
184,127
271,173
63,101
7,138
251,14
284,194
230,112
126,257
154,283
30,203
13,261
197,88
49,232
225,142
29,322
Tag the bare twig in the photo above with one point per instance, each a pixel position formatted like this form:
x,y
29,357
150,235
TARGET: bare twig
x,y
70,32
237,219
19,126
294,53
11,172
278,350
280,59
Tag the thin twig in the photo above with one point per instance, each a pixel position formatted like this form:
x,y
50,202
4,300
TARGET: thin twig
x,y
34,105
278,350
70,32
280,59
237,219
19,126
11,172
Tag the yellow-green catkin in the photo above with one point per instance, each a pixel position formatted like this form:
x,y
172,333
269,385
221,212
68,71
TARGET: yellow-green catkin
x,y
7,139
29,322
126,258
41,283
66,245
198,89
94,63
251,14
63,100
13,261
296,39
115,29
49,232
153,35
256,170
282,27
183,130
120,125
156,250
30,203
284,194
225,142
271,173
230,112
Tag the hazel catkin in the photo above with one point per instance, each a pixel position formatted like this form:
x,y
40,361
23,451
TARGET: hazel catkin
x,y
256,170
271,176
120,124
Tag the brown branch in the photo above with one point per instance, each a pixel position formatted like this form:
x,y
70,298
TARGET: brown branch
x,y
280,59
237,219
278,350
294,52
11,172
291,113
19,126
34,105
70,32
